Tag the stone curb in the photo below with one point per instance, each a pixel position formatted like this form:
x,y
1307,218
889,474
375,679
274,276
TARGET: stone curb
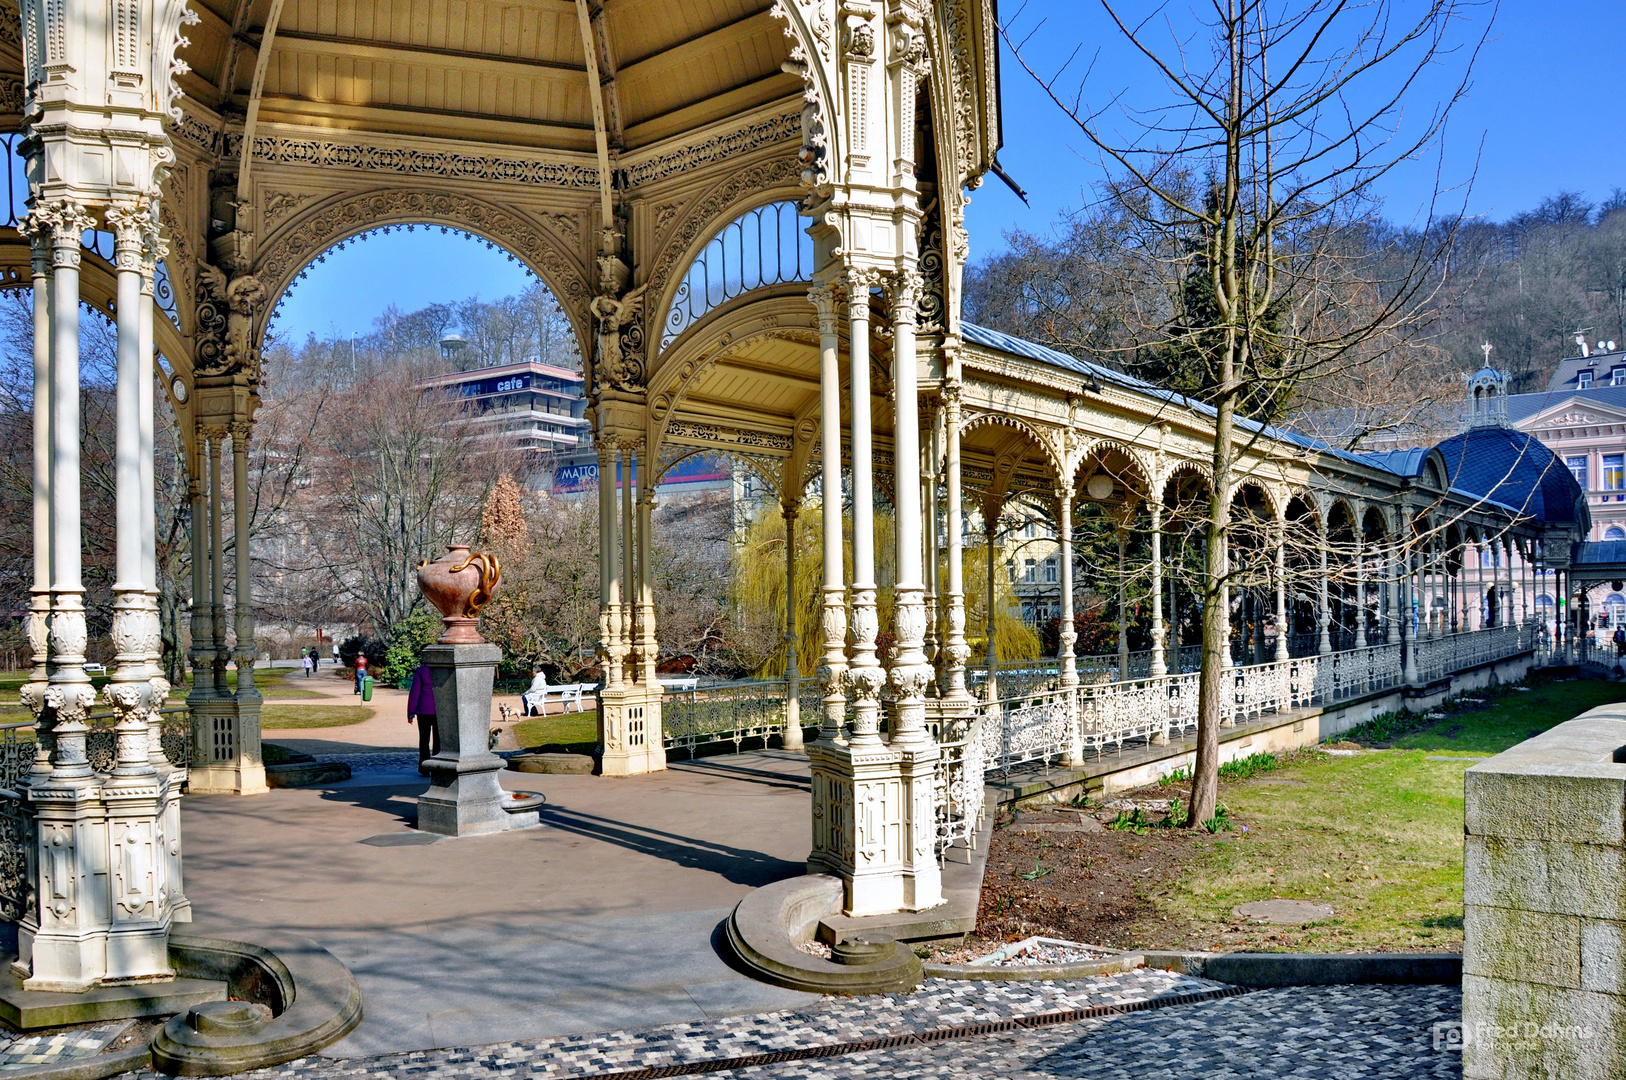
x,y
1083,969
314,999
1264,970
765,928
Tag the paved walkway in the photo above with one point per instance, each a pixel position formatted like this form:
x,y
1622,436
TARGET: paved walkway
x,y
1145,1025
387,729
603,918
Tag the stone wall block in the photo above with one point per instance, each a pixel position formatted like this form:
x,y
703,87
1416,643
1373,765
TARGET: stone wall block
x,y
1533,799
1522,1030
1603,956
1522,946
1535,875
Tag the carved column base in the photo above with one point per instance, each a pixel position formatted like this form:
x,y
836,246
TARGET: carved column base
x,y
226,756
629,729
862,811
100,913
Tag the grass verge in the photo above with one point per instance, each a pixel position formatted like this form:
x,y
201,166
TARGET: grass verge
x,y
579,731
1378,835
312,716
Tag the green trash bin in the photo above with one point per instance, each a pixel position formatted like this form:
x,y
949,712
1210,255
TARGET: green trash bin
x,y
366,688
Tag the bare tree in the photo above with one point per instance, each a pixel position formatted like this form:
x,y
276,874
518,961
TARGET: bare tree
x,y
1254,177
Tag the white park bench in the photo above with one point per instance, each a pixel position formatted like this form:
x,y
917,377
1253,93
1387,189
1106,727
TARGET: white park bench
x,y
536,701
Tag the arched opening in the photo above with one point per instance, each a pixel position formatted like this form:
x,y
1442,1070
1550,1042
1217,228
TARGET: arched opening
x,y
764,246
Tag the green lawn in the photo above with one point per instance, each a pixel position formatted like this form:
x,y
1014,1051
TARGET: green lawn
x,y
1377,835
312,716
1510,715
579,731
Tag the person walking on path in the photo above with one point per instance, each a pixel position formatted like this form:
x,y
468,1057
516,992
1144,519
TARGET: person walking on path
x,y
305,662
361,669
421,708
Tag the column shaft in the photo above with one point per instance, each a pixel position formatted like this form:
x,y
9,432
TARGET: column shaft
x,y
1160,635
957,651
833,613
793,676
864,674
910,673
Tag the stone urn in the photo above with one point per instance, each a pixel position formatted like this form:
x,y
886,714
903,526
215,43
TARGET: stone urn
x,y
459,584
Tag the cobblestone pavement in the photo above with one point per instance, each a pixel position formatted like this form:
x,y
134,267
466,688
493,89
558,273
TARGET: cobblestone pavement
x,y
31,1051
1324,1033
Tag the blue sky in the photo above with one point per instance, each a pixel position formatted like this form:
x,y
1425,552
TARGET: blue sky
x,y
1544,114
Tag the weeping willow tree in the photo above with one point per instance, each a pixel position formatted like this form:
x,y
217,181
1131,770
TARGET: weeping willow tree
x,y
758,595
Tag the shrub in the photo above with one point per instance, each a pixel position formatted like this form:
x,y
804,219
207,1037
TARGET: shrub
x,y
371,647
405,651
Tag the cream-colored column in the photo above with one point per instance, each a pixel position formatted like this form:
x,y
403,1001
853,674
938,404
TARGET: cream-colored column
x,y
830,766
68,633
243,592
609,608
33,695
654,757
990,529
864,674
1360,587
1160,634
217,561
170,778
250,758
202,646
62,937
129,693
1323,601
138,930
957,652
1122,606
833,614
793,675
629,593
1393,593
648,642
1282,648
39,611
909,672
1409,624
1067,635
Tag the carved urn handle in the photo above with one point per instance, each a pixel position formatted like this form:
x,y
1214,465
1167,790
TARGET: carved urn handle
x,y
459,584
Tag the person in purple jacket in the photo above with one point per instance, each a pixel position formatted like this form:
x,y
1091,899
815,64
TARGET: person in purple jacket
x,y
421,707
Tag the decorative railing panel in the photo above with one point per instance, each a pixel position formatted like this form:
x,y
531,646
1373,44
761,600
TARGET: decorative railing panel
x,y
728,712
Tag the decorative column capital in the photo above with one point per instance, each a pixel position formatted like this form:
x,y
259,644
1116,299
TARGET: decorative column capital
x,y
241,432
130,225
825,298
66,223
903,290
858,281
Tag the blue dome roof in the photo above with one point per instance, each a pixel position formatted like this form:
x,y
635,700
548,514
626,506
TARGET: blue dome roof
x,y
1514,469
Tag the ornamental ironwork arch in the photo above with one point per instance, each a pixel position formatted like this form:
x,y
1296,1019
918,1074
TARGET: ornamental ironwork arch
x,y
767,245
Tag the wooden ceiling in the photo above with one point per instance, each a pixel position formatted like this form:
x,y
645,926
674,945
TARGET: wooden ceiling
x,y
492,71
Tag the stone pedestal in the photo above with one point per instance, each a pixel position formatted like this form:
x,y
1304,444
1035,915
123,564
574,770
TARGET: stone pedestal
x,y
630,729
464,797
859,808
226,757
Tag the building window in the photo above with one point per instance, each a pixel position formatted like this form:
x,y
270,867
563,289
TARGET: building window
x,y
1029,572
1583,380
1614,472
1578,468
1617,376
1050,571
1028,529
1614,532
